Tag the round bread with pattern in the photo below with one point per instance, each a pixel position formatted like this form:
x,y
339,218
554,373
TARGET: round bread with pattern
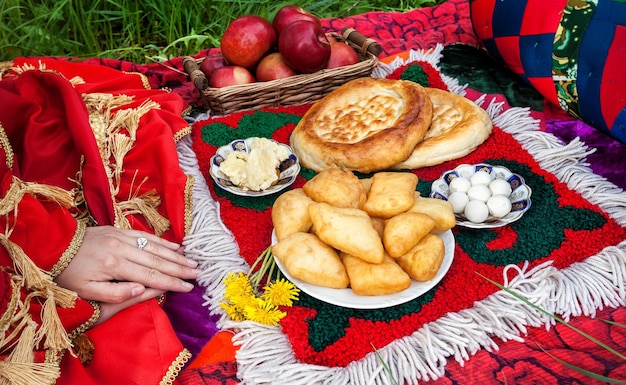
x,y
365,125
458,127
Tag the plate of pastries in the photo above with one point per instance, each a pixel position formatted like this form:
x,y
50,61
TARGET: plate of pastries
x,y
365,243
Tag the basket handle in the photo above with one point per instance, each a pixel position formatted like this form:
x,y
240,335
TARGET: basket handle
x,y
367,44
198,78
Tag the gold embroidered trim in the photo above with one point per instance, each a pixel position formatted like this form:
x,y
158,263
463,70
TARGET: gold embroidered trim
x,y
71,250
144,79
189,203
6,145
186,111
181,134
90,322
176,367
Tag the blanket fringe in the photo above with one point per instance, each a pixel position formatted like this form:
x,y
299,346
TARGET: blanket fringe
x,y
266,356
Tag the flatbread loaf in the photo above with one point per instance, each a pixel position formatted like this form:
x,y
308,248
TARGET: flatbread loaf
x,y
365,125
458,126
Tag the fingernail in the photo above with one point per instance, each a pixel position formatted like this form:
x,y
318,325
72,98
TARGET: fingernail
x,y
187,285
135,291
192,263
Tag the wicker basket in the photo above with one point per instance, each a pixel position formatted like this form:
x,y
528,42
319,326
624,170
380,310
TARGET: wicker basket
x,y
297,89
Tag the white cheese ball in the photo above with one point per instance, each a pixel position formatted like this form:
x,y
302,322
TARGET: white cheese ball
x,y
479,192
499,205
480,178
500,187
460,184
458,200
476,211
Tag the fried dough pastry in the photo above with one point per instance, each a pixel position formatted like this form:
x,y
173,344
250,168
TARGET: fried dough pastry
x,y
307,258
391,193
423,261
379,226
438,209
365,125
375,279
404,231
336,187
347,229
290,213
458,126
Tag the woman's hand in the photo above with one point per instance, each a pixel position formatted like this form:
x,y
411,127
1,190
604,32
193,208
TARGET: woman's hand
x,y
110,268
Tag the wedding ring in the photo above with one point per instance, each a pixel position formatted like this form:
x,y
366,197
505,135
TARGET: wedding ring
x,y
141,243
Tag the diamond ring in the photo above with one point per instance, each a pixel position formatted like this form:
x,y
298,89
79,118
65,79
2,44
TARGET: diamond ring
x,y
141,243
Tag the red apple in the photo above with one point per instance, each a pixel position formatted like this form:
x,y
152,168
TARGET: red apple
x,y
331,38
273,67
230,76
211,63
246,40
304,46
290,13
341,55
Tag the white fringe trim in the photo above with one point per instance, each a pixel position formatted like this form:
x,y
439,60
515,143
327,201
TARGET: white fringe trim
x,y
266,357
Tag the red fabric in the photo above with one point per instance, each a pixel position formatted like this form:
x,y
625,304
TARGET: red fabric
x,y
136,346
47,124
542,16
613,80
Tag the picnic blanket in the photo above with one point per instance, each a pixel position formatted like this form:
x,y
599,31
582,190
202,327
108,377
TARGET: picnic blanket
x,y
567,253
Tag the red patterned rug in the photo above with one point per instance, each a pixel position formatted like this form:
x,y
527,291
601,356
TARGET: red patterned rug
x,y
567,255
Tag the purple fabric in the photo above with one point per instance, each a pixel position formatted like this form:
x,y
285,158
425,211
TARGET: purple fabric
x,y
609,158
191,320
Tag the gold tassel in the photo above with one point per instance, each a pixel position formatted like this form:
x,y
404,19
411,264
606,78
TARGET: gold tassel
x,y
76,80
146,205
19,367
24,349
20,188
129,118
16,373
61,196
120,145
51,327
34,277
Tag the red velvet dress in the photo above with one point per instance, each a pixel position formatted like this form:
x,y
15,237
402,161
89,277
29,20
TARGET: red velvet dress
x,y
83,146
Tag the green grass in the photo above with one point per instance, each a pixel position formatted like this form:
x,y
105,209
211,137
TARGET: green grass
x,y
146,30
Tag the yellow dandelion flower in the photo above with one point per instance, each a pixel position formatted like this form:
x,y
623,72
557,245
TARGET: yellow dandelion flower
x,y
264,312
237,285
233,311
281,293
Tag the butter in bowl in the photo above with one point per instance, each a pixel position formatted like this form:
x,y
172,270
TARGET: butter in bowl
x,y
254,167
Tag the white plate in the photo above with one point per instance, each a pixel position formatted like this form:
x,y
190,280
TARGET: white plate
x,y
347,298
520,194
289,169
